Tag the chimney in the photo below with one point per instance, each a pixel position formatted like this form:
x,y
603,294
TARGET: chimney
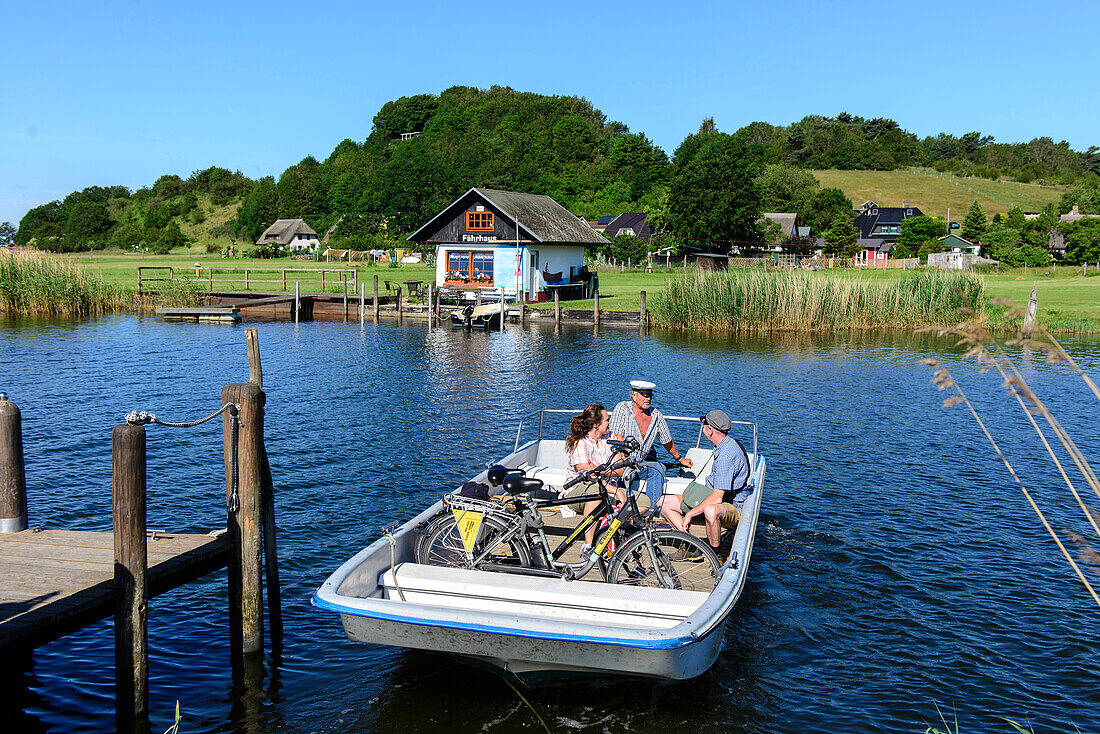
x,y
1075,212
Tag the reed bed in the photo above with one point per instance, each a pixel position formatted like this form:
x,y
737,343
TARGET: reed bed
x,y
814,301
182,293
40,283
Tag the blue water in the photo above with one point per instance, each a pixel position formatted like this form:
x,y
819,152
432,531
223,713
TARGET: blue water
x,y
897,567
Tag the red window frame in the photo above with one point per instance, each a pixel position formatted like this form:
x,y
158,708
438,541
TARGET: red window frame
x,y
480,222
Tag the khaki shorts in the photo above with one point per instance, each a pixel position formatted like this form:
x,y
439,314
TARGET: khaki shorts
x,y
730,515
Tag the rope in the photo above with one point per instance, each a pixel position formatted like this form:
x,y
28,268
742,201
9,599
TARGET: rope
x,y
135,418
233,502
388,530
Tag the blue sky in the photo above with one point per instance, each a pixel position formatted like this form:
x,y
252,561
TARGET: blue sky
x,y
121,93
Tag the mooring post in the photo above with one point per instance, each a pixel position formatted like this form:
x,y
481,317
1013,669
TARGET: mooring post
x,y
641,310
362,302
1032,311
398,297
557,306
503,309
13,480
522,307
376,298
596,307
271,557
297,300
345,279
243,520
477,297
131,577
431,305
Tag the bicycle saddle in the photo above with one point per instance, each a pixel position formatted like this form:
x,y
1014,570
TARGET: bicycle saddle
x,y
519,484
496,474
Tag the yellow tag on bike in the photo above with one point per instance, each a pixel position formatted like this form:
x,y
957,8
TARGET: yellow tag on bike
x,y
608,536
469,522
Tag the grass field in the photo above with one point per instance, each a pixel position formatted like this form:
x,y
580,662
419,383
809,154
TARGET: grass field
x,y
1066,301
934,192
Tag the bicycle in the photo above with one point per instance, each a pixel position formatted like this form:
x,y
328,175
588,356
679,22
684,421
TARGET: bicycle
x,y
511,539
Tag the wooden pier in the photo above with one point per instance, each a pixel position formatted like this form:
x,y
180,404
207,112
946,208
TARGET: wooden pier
x,y
54,582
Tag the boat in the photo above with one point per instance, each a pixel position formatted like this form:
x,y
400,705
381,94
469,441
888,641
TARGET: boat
x,y
537,629
486,317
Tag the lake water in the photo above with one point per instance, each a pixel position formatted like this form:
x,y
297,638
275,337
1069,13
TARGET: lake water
x,y
897,567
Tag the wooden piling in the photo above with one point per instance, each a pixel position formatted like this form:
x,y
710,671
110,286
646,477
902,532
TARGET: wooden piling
x,y
557,306
297,300
271,557
522,307
398,297
1031,314
255,368
503,310
596,307
131,574
431,305
641,310
362,302
244,523
345,279
13,480
376,298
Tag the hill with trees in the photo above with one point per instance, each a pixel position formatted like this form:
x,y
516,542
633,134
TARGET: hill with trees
x,y
424,150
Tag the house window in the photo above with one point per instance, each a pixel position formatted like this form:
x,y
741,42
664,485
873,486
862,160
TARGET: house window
x,y
470,266
479,222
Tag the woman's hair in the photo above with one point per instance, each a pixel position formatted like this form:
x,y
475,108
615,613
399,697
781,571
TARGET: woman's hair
x,y
582,424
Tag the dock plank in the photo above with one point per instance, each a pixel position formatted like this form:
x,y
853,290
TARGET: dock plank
x,y
56,581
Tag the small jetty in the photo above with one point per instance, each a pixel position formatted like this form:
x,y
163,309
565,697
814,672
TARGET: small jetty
x,y
54,581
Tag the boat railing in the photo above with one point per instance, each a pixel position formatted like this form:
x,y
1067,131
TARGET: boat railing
x,y
698,439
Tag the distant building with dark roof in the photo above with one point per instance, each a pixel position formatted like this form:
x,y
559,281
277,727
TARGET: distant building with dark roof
x,y
883,222
634,224
294,234
787,221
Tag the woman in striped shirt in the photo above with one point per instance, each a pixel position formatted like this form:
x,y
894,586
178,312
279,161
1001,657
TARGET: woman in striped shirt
x,y
587,447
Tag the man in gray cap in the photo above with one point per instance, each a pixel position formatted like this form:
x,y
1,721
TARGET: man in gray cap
x,y
720,499
639,419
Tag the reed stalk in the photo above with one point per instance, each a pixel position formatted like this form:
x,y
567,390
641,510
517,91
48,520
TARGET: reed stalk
x,y
40,283
758,300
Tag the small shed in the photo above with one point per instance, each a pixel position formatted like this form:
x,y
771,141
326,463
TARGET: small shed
x,y
488,239
293,234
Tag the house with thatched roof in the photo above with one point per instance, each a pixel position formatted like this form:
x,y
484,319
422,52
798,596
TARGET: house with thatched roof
x,y
488,239
292,234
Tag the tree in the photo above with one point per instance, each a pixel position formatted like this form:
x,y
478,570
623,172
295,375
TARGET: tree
x,y
824,207
1015,219
785,188
916,231
1082,241
842,237
974,225
628,248
7,233
713,196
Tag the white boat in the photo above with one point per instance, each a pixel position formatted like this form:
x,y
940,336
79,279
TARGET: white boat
x,y
536,628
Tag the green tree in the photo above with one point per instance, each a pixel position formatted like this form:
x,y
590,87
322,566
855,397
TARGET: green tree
x,y
916,231
928,247
1082,241
974,225
86,220
842,237
7,233
824,207
1016,219
170,238
713,196
785,188
628,248
260,209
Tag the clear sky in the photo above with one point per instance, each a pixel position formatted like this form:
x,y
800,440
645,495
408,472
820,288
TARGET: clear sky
x,y
121,93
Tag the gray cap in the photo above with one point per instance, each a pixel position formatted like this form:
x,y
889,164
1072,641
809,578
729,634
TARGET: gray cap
x,y
718,420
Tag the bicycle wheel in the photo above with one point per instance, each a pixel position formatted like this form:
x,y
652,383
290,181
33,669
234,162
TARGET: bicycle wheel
x,y
445,547
683,562
425,533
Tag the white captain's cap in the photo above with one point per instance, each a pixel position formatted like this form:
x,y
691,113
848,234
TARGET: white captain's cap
x,y
641,385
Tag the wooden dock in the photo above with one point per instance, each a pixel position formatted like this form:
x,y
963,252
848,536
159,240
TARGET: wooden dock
x,y
54,582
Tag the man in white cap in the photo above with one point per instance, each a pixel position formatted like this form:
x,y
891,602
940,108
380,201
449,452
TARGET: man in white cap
x,y
720,499
639,419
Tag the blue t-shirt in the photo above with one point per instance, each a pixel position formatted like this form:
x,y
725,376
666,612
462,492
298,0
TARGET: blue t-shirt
x,y
730,472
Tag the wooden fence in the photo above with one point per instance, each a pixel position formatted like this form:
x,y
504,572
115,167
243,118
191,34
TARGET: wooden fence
x,y
248,277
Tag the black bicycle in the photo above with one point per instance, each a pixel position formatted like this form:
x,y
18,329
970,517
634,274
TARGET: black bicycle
x,y
511,538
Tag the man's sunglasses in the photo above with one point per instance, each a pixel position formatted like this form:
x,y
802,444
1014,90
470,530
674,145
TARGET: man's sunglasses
x,y
645,393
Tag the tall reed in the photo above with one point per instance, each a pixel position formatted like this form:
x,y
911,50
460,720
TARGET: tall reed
x,y
40,283
814,301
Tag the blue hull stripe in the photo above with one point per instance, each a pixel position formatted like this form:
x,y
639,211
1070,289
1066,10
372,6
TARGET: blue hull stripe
x,y
670,644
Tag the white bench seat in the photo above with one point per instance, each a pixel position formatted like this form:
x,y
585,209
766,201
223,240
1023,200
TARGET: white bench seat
x,y
541,598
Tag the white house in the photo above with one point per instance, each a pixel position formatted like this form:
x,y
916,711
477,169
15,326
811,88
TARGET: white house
x,y
292,234
488,240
